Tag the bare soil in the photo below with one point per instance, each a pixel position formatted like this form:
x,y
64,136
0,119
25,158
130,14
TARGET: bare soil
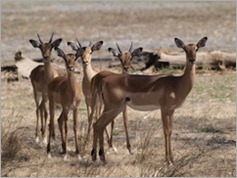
x,y
204,131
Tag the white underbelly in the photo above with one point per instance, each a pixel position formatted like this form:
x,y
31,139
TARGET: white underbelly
x,y
143,107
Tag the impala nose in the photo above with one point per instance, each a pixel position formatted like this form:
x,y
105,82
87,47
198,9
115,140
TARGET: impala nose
x,y
126,68
46,57
70,69
85,62
192,61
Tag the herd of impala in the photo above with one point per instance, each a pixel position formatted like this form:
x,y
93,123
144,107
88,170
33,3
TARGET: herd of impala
x,y
106,93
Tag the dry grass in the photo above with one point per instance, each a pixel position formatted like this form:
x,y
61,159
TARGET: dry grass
x,y
203,137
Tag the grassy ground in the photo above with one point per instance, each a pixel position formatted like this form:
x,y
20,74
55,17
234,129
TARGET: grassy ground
x,y
203,136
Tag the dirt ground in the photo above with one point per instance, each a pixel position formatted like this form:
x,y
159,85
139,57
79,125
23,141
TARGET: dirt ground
x,y
204,133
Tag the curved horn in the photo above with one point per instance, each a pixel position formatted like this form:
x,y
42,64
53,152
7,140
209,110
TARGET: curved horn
x,y
50,40
130,49
39,38
118,48
78,42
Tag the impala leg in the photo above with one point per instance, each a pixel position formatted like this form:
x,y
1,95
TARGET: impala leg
x,y
107,136
94,147
101,143
51,114
75,115
93,105
167,126
171,114
45,122
49,141
110,141
36,97
41,108
66,134
125,119
107,116
98,113
60,125
37,126
90,118
51,123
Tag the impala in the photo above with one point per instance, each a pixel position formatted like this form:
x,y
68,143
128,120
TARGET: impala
x,y
66,92
40,77
145,93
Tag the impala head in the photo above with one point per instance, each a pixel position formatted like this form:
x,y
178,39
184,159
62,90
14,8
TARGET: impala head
x,y
70,59
86,51
47,47
126,57
190,49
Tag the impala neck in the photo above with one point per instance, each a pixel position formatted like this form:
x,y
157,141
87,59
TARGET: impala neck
x,y
88,71
71,81
187,79
49,71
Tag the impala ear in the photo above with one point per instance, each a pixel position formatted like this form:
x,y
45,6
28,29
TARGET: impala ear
x,y
80,52
34,43
202,42
113,51
137,52
97,46
56,43
73,46
179,43
60,53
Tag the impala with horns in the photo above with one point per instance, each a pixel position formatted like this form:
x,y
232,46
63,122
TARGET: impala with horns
x,y
65,92
144,93
40,78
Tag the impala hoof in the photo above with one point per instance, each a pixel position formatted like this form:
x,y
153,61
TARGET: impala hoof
x,y
130,152
112,149
49,156
115,149
45,141
65,157
37,139
79,157
102,156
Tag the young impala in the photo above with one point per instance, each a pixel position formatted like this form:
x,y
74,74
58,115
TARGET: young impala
x,y
145,93
66,92
40,78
